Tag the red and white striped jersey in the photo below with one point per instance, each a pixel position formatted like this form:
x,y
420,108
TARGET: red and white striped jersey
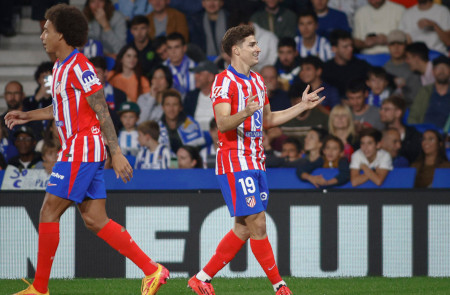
x,y
74,79
240,149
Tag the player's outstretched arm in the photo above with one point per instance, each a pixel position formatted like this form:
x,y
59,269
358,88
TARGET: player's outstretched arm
x,y
225,122
14,118
309,101
119,162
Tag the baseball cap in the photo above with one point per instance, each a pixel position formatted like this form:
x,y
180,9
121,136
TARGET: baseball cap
x,y
26,130
129,106
206,65
441,60
396,36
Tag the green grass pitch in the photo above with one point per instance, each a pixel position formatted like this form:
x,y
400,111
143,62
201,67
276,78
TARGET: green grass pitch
x,y
251,286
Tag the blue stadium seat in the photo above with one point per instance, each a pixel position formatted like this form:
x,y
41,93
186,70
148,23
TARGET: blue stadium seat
x,y
110,62
441,178
376,60
397,178
432,54
448,153
426,126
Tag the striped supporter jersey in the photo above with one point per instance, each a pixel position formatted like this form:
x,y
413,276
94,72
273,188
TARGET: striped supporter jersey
x,y
240,149
74,79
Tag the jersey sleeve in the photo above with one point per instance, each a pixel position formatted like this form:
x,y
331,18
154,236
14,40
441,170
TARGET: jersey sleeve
x,y
222,90
85,77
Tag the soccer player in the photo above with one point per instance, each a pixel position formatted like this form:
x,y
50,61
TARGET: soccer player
x,y
242,110
82,118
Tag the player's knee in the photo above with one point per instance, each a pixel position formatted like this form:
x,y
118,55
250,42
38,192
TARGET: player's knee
x,y
92,224
47,214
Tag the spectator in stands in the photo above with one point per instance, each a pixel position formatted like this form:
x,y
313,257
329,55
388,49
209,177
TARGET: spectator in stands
x,y
42,96
187,7
432,103
49,156
176,128
147,56
311,73
152,154
291,150
197,103
150,103
418,61
373,22
128,136
313,143
276,18
332,152
344,66
106,25
392,143
208,153
407,82
308,42
329,18
7,148
180,64
364,115
428,22
341,125
132,8
278,98
288,62
165,20
14,97
127,74
50,135
189,158
377,82
160,45
25,142
431,157
207,27
391,114
370,162
349,7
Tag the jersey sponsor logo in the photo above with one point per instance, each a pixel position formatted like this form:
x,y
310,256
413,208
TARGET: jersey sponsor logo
x,y
57,175
251,202
263,196
51,184
89,79
95,130
253,134
59,123
257,118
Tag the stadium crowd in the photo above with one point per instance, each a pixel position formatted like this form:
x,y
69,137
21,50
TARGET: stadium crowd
x,y
384,66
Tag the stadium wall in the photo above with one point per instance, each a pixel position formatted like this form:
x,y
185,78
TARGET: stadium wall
x,y
393,233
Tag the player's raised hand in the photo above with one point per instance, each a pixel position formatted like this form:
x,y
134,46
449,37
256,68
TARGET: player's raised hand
x,y
311,100
122,167
252,106
14,118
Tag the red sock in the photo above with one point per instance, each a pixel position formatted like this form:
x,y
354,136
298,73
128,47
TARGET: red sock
x,y
225,252
264,254
48,243
118,237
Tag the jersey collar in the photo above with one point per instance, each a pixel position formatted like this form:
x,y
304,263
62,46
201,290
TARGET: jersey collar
x,y
242,76
75,51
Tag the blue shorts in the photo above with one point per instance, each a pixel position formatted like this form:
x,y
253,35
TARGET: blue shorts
x,y
76,181
245,192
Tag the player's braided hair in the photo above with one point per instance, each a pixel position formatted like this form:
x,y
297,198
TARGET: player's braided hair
x,y
70,22
235,36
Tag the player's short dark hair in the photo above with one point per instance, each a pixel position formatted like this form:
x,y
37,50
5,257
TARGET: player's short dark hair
x,y
167,74
419,49
371,132
99,62
139,20
235,36
45,66
377,72
171,93
397,101
212,124
287,42
356,85
334,138
337,35
316,62
70,22
149,127
306,13
294,141
194,154
176,36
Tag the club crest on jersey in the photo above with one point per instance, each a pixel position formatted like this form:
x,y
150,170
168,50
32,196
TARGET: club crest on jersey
x,y
251,202
58,87
89,79
95,130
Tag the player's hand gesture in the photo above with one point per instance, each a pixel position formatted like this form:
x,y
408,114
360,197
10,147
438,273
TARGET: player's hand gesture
x,y
252,106
122,167
311,100
14,118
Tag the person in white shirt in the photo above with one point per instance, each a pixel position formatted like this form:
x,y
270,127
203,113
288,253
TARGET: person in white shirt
x,y
370,162
128,135
373,22
268,42
428,22
152,154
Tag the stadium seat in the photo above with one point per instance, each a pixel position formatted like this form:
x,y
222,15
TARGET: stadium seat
x,y
110,62
441,178
426,126
432,54
397,178
376,60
